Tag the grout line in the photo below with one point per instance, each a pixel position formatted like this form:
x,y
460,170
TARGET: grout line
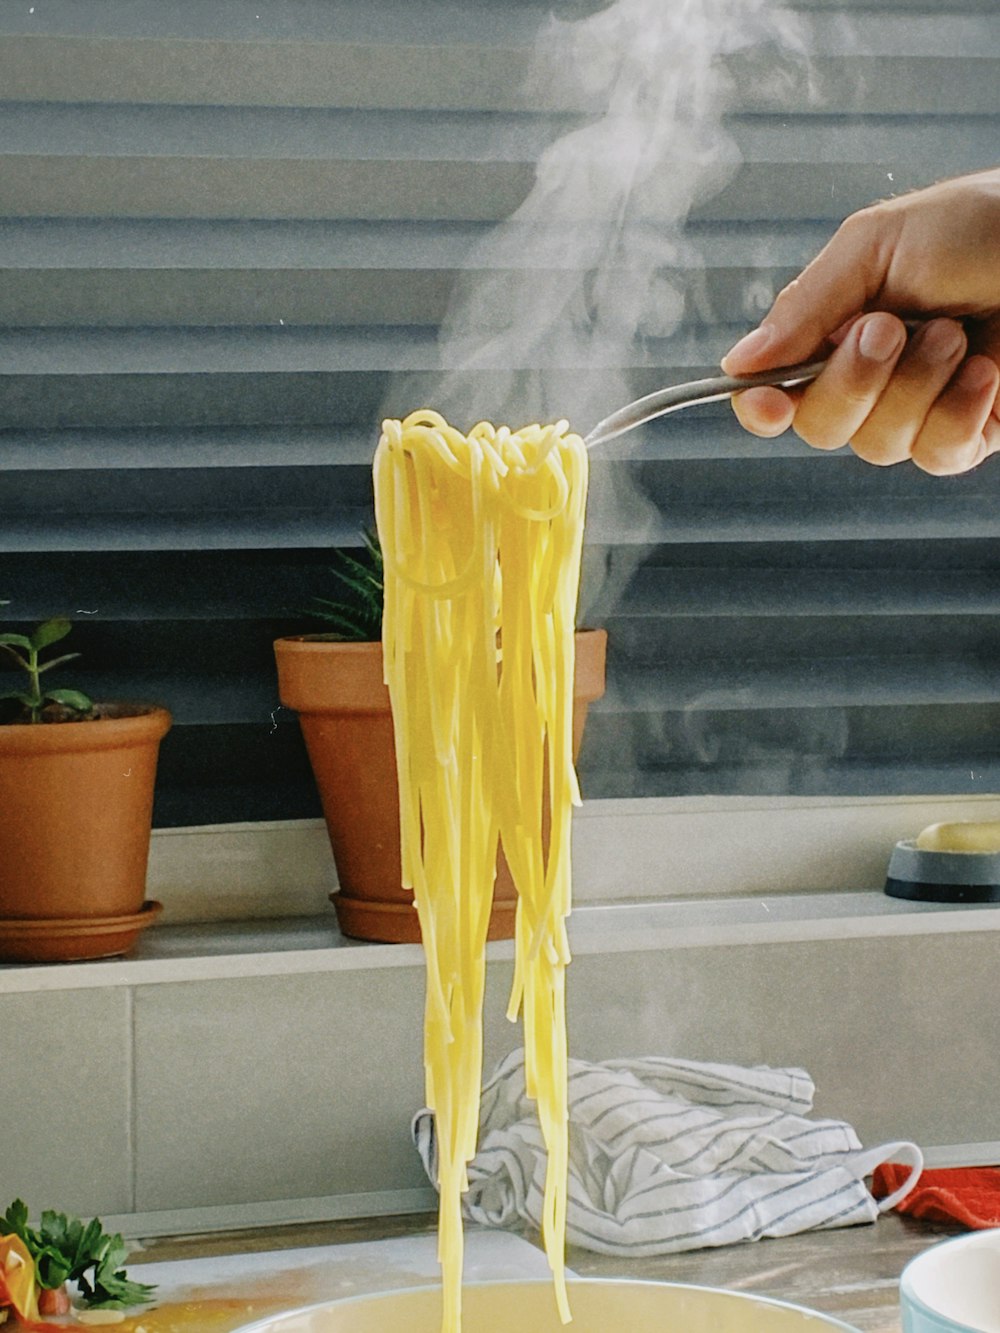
x,y
132,1109
276,1212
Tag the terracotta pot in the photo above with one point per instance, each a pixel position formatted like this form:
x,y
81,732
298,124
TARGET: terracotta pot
x,y
76,801
343,707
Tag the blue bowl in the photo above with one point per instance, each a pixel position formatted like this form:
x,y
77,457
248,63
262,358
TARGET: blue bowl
x,y
954,1287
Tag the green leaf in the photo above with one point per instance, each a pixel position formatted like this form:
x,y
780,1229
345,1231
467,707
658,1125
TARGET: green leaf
x,y
344,617
25,699
16,1219
88,1245
64,1250
49,632
52,1268
110,1286
57,661
15,641
75,699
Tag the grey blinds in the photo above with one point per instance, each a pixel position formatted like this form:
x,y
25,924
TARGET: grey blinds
x,y
224,226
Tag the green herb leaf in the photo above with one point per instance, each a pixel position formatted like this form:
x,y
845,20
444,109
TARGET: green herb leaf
x,y
57,661
358,616
16,1219
15,641
80,703
64,1250
49,632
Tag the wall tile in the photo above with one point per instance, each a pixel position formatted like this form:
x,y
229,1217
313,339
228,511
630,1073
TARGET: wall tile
x,y
284,1087
64,1113
899,1035
304,1086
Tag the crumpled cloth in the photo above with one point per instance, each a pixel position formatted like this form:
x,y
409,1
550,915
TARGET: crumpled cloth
x,y
966,1194
669,1155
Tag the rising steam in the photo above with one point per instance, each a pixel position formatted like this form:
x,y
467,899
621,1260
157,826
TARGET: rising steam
x,y
555,303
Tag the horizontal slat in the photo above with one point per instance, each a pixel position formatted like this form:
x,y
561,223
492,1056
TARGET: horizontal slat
x,y
901,578
677,642
701,434
814,498
302,507
159,272
152,586
496,22
317,349
226,674
293,376
798,590
219,447
838,682
323,528
459,57
233,162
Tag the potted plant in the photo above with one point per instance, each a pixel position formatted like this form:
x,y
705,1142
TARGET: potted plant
x,y
76,799
334,682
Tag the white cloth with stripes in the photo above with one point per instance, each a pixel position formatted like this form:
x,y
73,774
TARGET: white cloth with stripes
x,y
670,1155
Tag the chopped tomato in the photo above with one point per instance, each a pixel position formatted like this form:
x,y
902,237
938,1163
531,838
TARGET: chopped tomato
x,y
53,1301
17,1280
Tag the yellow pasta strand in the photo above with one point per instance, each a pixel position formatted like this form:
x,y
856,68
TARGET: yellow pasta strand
x,y
482,538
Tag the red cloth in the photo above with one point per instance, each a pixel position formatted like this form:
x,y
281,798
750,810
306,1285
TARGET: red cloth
x,y
966,1194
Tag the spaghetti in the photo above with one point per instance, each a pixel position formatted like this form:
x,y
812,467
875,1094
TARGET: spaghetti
x,y
482,537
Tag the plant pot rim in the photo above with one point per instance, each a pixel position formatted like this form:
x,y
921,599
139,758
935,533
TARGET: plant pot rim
x,y
118,710
125,724
73,939
303,642
294,643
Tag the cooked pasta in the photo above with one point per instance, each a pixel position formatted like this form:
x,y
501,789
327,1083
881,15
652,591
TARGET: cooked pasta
x,y
481,537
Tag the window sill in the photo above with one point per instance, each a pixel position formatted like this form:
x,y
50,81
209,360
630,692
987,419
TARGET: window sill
x,y
299,945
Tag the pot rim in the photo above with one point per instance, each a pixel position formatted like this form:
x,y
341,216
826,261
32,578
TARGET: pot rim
x,y
148,722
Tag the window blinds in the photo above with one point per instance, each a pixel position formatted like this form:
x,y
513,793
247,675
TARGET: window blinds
x,y
223,228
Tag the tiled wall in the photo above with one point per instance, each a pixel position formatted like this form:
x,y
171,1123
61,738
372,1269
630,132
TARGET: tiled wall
x,y
248,1091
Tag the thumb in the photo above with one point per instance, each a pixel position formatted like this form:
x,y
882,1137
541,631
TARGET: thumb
x,y
849,272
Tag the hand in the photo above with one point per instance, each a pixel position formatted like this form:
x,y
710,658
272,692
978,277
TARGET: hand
x,y
932,395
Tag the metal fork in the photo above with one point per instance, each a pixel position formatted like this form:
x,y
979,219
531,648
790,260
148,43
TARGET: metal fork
x,y
676,396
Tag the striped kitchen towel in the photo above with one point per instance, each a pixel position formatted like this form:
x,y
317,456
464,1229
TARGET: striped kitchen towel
x,y
670,1155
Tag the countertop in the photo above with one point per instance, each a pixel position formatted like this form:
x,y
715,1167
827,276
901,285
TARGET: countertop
x,y
852,1272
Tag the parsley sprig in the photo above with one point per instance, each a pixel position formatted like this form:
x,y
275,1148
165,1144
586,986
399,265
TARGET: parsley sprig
x,y
67,1250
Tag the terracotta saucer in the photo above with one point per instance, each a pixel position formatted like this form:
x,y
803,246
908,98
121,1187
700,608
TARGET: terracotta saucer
x,y
70,940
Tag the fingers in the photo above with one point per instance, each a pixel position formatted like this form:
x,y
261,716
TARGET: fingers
x,y
843,278
767,412
890,431
892,400
835,408
828,412
960,430
875,395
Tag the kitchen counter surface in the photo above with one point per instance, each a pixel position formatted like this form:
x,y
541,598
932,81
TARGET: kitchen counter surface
x,y
852,1272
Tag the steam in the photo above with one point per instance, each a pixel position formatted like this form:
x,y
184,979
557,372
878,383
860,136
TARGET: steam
x,y
558,307
560,300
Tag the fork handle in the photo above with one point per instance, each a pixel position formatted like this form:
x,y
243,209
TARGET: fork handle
x,y
676,396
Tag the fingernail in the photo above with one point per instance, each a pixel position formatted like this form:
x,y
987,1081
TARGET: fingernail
x,y
976,375
881,338
940,341
749,348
